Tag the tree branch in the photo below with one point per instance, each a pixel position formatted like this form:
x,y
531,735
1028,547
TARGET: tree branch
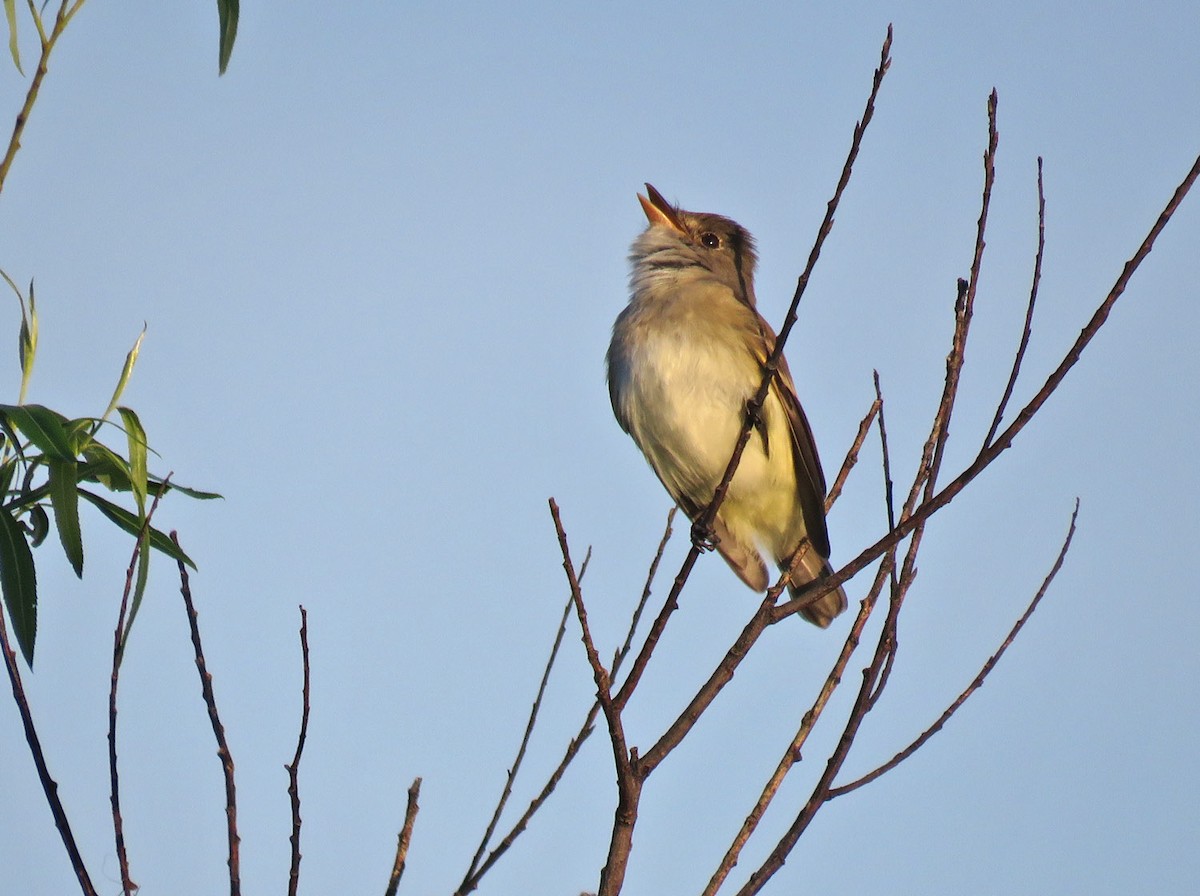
x,y
210,702
293,769
405,838
978,680
49,785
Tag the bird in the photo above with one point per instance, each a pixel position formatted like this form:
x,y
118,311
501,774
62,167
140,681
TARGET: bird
x,y
687,355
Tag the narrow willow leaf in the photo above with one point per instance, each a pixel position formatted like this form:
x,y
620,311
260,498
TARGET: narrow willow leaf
x,y
137,456
129,522
227,11
11,434
64,497
19,583
47,429
10,13
126,372
29,343
8,469
184,490
106,467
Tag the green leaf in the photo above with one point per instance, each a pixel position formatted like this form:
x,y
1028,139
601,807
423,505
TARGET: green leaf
x,y
184,490
106,467
11,434
8,469
137,456
47,429
130,523
19,583
126,372
10,13
227,11
64,497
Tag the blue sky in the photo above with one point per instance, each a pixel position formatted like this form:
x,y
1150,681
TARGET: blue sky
x,y
379,261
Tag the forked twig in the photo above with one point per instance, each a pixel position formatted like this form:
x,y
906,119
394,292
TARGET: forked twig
x,y
792,754
1004,440
576,742
978,680
405,838
893,641
210,702
874,677
511,777
629,783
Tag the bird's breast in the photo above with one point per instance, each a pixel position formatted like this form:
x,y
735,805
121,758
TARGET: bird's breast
x,y
680,377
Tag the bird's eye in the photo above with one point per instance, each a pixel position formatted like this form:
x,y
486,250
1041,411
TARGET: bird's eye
x,y
710,240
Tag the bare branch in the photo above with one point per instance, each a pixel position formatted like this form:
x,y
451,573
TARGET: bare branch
x,y
984,459
119,636
506,792
49,785
293,769
629,784
405,838
839,481
893,641
978,680
35,85
619,656
210,701
585,730
792,754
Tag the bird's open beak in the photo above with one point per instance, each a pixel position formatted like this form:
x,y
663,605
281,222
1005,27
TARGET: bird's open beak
x,y
658,210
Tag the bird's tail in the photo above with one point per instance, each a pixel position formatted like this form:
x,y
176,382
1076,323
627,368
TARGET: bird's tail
x,y
811,568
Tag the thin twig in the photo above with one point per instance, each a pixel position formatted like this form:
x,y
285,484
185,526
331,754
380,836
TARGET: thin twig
x,y
978,680
576,742
754,406
65,12
925,479
49,785
293,769
984,459
1028,330
896,596
839,481
210,702
964,309
792,754
405,838
629,784
119,635
511,777
619,656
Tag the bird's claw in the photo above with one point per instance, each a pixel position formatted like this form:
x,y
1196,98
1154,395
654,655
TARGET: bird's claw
x,y
703,537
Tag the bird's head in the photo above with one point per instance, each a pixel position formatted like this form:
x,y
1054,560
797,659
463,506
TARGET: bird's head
x,y
677,240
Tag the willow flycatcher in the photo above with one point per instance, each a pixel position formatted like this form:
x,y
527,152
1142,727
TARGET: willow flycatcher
x,y
686,356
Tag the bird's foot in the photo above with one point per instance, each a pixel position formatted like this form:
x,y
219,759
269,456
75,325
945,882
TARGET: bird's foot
x,y
703,537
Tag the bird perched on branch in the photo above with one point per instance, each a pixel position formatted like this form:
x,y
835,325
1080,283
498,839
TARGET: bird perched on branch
x,y
687,355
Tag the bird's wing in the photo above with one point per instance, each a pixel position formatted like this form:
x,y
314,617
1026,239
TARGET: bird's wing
x,y
810,480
